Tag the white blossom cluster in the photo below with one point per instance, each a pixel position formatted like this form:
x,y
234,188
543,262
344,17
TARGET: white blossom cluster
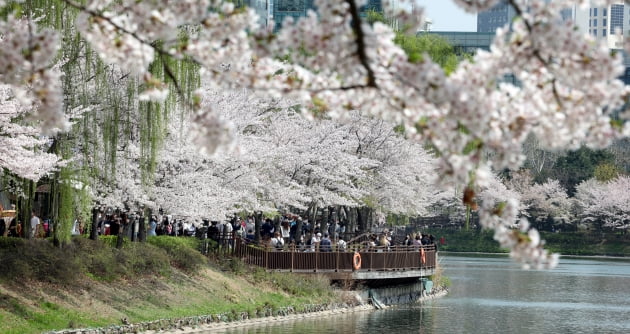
x,y
333,64
125,189
474,6
471,111
606,201
24,152
210,132
26,64
288,161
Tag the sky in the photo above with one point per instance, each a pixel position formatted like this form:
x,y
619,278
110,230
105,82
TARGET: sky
x,y
447,16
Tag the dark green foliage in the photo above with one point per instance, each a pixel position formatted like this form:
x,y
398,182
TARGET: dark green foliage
x,y
566,243
100,260
439,49
606,172
183,253
585,243
373,16
39,260
110,240
467,241
436,47
577,166
36,259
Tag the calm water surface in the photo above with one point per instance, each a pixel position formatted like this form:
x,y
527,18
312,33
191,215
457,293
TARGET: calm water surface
x,y
493,295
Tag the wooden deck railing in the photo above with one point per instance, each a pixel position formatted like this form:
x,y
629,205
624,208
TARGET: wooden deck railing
x,y
395,258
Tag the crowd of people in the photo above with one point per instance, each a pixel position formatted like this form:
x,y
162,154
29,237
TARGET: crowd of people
x,y
309,238
281,234
12,226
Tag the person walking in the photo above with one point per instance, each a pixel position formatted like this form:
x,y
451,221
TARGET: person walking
x,y
152,227
34,224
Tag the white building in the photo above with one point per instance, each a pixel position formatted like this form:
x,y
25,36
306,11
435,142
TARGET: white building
x,y
502,14
610,23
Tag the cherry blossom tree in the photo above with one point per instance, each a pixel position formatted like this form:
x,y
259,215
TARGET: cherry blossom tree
x,y
334,63
401,179
546,201
23,150
286,161
605,202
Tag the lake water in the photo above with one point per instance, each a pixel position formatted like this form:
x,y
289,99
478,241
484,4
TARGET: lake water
x,y
493,295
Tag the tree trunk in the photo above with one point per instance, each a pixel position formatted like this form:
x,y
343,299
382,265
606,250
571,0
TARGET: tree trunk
x,y
338,214
26,207
120,239
21,214
94,226
325,216
54,214
351,223
298,230
132,230
276,224
142,230
313,216
467,222
361,221
257,224
121,232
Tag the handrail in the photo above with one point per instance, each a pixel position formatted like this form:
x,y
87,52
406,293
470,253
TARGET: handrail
x,y
373,258
358,238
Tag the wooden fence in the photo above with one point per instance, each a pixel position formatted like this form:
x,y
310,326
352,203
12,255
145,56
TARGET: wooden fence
x,y
395,258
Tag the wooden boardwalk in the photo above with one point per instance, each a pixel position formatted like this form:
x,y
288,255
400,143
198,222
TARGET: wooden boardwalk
x,y
355,263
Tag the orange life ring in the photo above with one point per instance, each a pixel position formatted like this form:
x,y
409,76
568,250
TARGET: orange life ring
x,y
423,256
356,261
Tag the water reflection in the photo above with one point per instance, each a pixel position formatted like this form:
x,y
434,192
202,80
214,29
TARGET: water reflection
x,y
493,295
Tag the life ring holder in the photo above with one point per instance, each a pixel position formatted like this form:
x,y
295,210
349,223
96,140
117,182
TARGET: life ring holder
x,y
356,261
423,256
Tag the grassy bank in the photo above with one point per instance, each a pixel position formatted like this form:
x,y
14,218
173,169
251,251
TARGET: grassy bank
x,y
566,243
91,284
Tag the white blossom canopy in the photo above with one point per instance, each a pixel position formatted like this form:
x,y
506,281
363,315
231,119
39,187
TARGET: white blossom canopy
x,y
334,63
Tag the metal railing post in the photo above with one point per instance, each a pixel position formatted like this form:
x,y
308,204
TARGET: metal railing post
x,y
292,250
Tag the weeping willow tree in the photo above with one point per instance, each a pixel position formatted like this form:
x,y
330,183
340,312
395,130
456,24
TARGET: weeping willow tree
x,y
63,200
183,78
108,120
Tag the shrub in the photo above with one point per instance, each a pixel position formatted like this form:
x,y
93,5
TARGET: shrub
x,y
111,240
38,260
141,258
183,253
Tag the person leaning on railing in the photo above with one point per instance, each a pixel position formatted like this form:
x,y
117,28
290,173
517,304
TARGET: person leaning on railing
x,y
325,245
277,242
341,245
417,242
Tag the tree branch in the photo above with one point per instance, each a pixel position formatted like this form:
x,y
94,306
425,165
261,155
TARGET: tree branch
x,y
360,38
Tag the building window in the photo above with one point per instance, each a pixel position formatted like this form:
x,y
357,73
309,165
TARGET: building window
x,y
604,11
589,23
594,11
594,22
604,22
595,32
604,32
